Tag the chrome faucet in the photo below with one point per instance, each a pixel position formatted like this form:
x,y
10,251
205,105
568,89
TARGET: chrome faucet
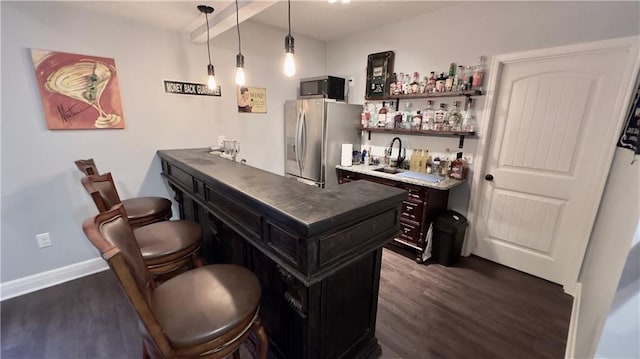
x,y
400,156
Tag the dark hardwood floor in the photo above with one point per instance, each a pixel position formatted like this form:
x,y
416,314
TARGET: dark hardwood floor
x,y
477,309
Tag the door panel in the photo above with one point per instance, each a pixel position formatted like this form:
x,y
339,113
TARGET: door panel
x,y
312,124
545,155
290,135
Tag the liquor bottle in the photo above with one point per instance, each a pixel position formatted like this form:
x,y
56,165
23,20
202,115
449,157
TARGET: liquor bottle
x,y
422,88
390,117
407,116
428,116
458,168
399,80
453,118
417,159
392,84
365,116
431,83
440,83
478,74
382,115
467,78
459,79
406,83
448,84
439,117
468,120
397,120
417,120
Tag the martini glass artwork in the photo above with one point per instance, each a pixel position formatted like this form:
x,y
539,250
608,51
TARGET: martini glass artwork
x,y
85,81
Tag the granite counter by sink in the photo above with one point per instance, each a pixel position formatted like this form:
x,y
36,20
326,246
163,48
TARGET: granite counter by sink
x,y
370,170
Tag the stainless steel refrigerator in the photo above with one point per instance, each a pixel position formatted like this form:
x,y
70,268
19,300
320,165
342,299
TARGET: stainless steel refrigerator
x,y
315,130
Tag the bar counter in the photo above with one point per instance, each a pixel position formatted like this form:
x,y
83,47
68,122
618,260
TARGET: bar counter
x,y
317,252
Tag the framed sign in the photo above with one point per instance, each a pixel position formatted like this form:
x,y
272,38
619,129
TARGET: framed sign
x,y
379,70
252,99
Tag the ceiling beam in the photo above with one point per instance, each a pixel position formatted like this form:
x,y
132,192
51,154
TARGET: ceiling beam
x,y
225,18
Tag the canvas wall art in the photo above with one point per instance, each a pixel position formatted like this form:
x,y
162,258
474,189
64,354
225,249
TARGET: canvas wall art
x,y
78,91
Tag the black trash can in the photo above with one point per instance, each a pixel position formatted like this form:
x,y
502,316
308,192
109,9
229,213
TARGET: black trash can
x,y
448,236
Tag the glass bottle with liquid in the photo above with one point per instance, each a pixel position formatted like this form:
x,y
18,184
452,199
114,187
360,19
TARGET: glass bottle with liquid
x,y
439,117
468,120
454,118
428,116
478,74
382,115
448,84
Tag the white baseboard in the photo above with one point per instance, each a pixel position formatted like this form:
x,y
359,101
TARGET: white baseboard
x,y
50,278
573,324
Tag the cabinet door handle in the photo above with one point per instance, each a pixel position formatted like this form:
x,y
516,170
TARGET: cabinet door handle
x,y
489,177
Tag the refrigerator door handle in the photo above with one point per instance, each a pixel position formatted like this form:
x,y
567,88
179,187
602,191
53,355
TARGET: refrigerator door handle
x,y
296,146
303,142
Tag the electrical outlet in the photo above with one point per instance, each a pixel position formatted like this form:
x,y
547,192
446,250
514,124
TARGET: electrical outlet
x,y
221,140
44,240
468,158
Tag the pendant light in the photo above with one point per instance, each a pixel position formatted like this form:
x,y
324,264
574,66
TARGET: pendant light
x,y
211,81
239,57
289,61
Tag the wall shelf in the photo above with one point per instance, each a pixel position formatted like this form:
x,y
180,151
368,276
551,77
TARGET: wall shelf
x,y
436,94
461,134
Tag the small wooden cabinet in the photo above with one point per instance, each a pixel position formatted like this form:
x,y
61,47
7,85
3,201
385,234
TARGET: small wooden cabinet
x,y
419,209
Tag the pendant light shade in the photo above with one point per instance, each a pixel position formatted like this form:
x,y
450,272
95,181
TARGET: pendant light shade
x,y
211,75
240,81
289,61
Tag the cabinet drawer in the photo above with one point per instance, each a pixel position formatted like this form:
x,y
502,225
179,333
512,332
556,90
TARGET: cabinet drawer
x,y
348,177
416,193
410,231
412,210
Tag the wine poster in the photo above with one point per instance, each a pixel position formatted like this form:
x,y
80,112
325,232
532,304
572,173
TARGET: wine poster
x,y
78,91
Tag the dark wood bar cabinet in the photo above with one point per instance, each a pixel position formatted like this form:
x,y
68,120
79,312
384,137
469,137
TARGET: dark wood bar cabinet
x,y
317,252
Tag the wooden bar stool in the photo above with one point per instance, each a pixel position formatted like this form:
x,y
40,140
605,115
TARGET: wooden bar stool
x,y
141,210
165,246
205,312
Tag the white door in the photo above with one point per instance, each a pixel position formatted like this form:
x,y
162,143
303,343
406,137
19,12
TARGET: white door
x,y
556,115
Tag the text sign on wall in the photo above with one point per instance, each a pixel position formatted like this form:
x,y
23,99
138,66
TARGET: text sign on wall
x,y
189,88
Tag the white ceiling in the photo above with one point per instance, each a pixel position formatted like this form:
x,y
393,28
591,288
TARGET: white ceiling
x,y
316,19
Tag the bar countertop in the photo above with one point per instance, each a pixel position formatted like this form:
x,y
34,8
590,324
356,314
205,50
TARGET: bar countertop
x,y
304,207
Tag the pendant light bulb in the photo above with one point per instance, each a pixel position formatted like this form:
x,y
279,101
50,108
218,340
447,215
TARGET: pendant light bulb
x,y
289,61
289,64
240,70
211,80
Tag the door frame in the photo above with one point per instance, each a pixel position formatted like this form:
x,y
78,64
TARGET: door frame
x,y
631,44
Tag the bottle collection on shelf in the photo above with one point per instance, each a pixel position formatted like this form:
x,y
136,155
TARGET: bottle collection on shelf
x,y
459,78
428,119
421,161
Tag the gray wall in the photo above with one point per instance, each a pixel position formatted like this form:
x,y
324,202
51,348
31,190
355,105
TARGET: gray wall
x,y
41,190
